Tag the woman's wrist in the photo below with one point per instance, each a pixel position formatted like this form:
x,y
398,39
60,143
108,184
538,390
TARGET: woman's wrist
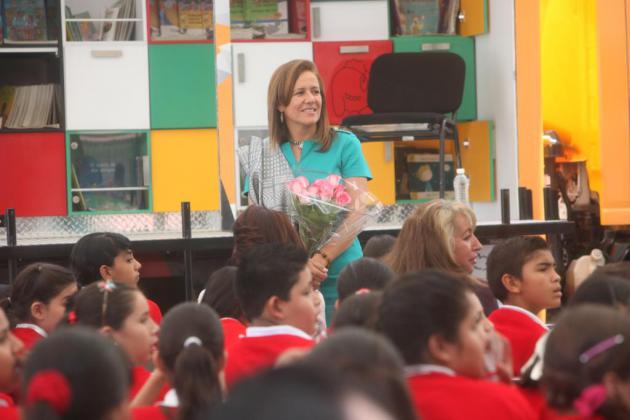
x,y
324,256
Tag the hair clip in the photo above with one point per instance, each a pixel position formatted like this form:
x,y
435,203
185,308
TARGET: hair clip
x,y
51,387
106,286
72,317
191,341
601,347
591,398
362,291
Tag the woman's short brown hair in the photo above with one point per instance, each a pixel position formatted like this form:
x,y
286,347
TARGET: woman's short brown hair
x,y
280,93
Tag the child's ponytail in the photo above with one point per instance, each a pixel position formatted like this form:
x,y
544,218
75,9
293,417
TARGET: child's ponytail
x,y
191,348
196,378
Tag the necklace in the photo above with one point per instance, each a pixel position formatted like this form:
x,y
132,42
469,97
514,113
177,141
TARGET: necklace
x,y
299,144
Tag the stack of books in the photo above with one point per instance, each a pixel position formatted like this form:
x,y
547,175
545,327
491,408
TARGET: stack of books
x,y
181,19
29,107
118,24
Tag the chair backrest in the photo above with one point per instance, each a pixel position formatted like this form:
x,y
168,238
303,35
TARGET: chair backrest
x,y
431,81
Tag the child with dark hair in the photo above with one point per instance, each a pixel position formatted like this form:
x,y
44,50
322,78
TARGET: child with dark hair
x,y
364,273
108,256
75,374
258,225
39,298
587,363
437,323
522,275
603,289
370,362
219,294
300,392
359,310
190,352
274,286
11,350
120,312
378,246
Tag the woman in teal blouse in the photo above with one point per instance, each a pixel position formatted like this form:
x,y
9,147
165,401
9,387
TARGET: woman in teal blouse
x,y
298,125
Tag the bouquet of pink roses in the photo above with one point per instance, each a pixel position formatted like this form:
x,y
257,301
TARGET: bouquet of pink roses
x,y
329,209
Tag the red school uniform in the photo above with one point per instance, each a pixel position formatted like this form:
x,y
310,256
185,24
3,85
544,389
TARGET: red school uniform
x,y
439,394
8,410
29,334
522,328
139,375
233,330
155,312
260,348
166,410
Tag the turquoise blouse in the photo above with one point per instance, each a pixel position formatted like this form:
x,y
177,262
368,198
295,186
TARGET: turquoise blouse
x,y
344,158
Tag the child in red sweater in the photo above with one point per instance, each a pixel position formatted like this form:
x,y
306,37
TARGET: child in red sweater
x,y
275,289
39,298
11,350
108,256
438,324
522,275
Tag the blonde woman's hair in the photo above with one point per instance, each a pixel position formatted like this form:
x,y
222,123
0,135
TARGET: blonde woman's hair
x,y
426,239
280,93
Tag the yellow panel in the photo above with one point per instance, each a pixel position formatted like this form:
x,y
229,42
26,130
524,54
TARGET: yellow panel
x,y
383,185
612,19
477,158
474,12
185,165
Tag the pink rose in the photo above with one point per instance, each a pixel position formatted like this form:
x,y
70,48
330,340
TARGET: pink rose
x,y
296,187
326,191
333,180
343,198
313,191
302,181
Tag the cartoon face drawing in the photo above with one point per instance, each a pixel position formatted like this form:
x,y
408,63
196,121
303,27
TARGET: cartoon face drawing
x,y
348,88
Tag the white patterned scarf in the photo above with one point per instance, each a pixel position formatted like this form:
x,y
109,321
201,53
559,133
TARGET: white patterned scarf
x,y
268,172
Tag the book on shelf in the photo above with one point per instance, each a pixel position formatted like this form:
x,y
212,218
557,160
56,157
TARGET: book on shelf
x,y
418,17
423,171
25,22
254,19
182,19
31,106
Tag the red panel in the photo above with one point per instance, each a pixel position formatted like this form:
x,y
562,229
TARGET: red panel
x,y
346,74
33,174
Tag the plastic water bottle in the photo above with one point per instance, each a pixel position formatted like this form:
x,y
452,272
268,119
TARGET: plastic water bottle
x,y
461,185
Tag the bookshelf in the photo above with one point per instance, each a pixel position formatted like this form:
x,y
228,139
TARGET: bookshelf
x,y
108,172
180,21
103,21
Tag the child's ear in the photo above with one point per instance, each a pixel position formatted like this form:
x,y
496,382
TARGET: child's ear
x,y
38,310
274,308
105,271
106,330
440,350
511,283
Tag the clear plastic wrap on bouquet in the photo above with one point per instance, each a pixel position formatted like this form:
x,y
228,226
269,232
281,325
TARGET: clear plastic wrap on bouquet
x,y
330,209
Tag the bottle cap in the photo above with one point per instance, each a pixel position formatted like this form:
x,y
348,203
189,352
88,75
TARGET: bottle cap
x,y
460,171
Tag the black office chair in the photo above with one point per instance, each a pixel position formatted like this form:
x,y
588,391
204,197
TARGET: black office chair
x,y
414,96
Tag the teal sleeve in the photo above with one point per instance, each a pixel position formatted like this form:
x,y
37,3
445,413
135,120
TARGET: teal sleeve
x,y
353,163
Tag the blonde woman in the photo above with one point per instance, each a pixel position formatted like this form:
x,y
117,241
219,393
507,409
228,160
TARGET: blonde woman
x,y
441,235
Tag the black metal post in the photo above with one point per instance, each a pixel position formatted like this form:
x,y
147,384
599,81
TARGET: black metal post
x,y
9,218
530,204
187,235
551,204
522,203
505,206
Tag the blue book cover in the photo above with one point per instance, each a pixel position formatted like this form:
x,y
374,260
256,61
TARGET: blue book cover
x,y
24,21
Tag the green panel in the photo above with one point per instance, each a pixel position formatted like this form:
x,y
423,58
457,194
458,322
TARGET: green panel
x,y
182,86
462,46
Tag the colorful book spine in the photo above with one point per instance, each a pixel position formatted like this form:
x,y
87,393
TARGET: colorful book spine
x,y
419,16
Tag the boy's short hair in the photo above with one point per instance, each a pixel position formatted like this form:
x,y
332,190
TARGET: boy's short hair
x,y
364,273
419,305
378,246
93,251
265,271
509,257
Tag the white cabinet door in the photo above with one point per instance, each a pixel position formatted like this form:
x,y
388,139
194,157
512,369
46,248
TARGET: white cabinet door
x,y
107,86
254,63
350,20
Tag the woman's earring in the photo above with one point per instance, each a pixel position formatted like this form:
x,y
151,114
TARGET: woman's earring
x,y
282,117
